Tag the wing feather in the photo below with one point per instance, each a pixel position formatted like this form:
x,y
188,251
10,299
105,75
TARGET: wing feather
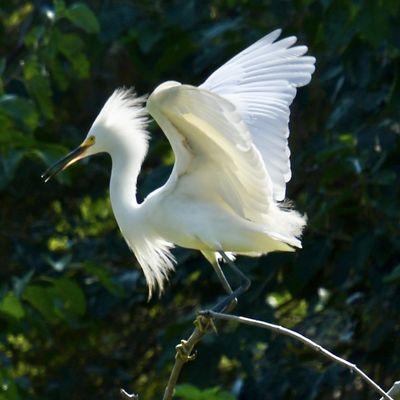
x,y
261,83
208,135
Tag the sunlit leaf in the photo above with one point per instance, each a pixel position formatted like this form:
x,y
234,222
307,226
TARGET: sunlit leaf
x,y
190,392
18,15
10,305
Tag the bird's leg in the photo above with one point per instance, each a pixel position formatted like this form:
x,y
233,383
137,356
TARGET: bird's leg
x,y
244,286
225,284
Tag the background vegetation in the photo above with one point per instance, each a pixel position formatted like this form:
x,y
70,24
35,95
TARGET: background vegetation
x,y
74,320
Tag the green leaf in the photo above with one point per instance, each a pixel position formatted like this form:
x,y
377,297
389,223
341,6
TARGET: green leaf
x,y
72,295
20,109
49,152
38,85
40,298
10,305
71,46
33,37
340,112
58,74
83,17
63,299
12,138
9,162
8,387
68,44
59,8
105,278
190,392
81,65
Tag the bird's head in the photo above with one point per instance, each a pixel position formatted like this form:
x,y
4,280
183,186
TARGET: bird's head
x,y
121,120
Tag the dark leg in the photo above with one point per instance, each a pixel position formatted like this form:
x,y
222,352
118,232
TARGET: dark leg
x,y
244,286
221,276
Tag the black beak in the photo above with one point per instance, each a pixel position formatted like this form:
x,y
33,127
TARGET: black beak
x,y
64,163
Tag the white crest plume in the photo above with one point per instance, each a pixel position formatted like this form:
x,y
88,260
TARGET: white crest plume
x,y
124,112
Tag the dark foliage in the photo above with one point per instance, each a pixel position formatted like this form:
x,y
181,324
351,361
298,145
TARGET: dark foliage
x,y
74,318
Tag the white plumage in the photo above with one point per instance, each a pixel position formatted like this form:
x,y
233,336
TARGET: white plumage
x,y
261,82
230,140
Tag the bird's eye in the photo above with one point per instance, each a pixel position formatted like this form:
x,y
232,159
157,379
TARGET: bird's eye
x,y
89,141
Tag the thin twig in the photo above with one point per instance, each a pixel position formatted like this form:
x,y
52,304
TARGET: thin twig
x,y
308,342
184,352
394,391
126,395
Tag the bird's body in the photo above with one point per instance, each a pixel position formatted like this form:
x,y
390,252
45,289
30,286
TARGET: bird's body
x,y
229,137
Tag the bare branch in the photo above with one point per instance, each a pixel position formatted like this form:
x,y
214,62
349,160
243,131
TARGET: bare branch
x,y
394,392
184,352
204,324
308,342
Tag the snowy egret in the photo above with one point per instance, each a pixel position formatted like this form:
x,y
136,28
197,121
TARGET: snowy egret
x,y
230,140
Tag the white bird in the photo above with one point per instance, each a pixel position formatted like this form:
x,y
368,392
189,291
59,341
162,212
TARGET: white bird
x,y
230,140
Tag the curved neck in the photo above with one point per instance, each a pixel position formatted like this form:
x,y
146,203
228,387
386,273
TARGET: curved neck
x,y
125,170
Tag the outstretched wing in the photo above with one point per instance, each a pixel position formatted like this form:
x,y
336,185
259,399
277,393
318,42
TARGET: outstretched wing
x,y
215,157
261,83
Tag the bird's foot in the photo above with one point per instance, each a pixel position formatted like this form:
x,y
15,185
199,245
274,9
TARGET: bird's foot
x,y
183,352
227,304
204,322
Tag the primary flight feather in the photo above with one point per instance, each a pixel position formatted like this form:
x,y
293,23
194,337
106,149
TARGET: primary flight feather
x,y
232,160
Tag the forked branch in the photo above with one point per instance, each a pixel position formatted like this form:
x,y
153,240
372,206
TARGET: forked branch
x,y
184,353
204,323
